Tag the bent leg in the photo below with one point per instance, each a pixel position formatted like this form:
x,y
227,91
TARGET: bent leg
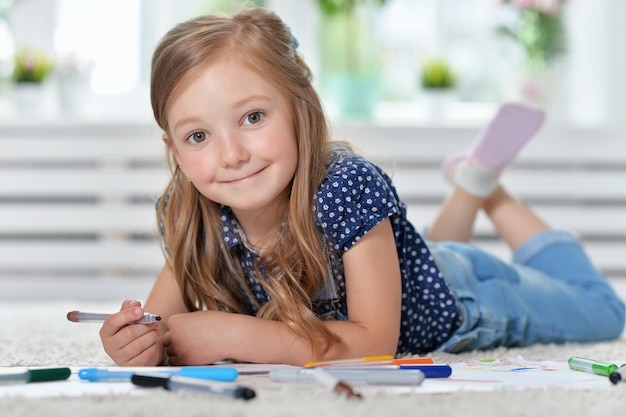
x,y
553,295
514,221
455,220
593,309
475,173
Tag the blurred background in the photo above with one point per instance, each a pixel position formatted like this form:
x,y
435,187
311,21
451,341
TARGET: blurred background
x,y
414,61
409,81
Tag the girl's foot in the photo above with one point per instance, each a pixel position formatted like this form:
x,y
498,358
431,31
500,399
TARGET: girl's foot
x,y
477,170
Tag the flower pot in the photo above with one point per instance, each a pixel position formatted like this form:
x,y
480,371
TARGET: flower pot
x,y
353,96
73,90
533,87
27,97
438,101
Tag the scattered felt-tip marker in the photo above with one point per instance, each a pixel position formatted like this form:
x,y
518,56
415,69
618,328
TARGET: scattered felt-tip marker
x,y
618,375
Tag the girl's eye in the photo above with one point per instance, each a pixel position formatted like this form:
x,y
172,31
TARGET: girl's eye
x,y
197,137
254,117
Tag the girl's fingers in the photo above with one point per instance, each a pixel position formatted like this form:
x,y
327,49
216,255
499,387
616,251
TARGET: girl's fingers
x,y
127,342
117,321
130,303
141,346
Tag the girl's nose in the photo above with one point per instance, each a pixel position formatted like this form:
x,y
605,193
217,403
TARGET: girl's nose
x,y
233,151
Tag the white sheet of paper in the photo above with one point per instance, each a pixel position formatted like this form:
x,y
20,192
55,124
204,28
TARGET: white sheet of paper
x,y
478,375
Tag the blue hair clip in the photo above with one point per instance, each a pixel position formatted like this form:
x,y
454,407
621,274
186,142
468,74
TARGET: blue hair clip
x,y
294,41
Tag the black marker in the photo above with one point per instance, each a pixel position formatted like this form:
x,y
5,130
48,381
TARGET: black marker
x,y
179,383
617,376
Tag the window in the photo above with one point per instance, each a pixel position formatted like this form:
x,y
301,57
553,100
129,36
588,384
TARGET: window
x,y
97,33
117,37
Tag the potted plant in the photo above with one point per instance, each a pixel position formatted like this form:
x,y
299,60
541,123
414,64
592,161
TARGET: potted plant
x,y
30,69
537,30
350,61
438,82
31,66
437,74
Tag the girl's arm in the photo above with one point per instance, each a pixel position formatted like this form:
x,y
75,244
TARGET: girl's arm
x,y
374,296
373,287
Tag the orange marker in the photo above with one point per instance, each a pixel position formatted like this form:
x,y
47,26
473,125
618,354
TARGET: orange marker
x,y
372,361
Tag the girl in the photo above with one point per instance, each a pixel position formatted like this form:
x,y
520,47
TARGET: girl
x,y
283,248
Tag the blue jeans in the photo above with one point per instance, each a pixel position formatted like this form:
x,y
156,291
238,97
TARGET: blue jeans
x,y
549,293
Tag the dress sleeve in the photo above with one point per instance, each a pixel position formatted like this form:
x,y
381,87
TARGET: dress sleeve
x,y
355,196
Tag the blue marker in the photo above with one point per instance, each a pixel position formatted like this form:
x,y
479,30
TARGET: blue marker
x,y
431,371
200,372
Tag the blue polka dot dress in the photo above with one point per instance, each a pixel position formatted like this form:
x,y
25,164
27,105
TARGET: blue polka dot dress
x,y
355,196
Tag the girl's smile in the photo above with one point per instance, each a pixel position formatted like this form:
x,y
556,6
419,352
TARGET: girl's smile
x,y
245,177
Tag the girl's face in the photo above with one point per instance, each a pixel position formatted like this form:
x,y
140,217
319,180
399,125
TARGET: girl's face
x,y
232,132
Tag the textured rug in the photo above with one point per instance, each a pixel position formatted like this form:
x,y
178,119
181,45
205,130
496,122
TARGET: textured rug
x,y
38,334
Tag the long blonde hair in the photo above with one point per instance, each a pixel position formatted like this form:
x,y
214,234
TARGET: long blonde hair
x,y
207,272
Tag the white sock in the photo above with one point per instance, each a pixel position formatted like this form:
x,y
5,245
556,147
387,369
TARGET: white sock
x,y
475,179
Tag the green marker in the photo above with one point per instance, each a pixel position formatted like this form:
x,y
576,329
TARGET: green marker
x,y
592,366
619,375
22,375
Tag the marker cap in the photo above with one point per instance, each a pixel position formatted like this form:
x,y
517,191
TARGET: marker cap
x,y
48,374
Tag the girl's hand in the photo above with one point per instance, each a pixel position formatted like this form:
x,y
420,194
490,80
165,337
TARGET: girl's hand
x,y
199,338
128,343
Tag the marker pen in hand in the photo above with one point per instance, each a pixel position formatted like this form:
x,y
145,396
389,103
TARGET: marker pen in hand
x,y
82,317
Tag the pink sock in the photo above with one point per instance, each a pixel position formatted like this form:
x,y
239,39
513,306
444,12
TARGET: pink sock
x,y
501,140
477,169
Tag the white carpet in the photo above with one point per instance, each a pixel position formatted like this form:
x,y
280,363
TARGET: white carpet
x,y
38,334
